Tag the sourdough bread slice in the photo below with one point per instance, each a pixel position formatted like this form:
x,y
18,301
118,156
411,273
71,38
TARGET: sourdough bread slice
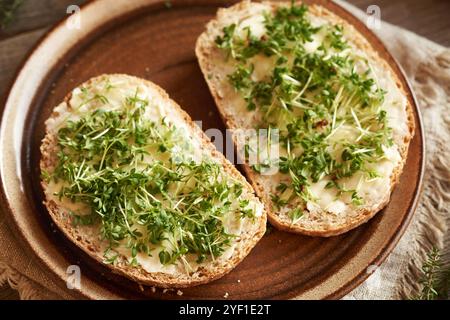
x,y
113,93
325,213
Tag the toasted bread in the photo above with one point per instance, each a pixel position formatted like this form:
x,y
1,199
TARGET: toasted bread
x,y
88,237
217,66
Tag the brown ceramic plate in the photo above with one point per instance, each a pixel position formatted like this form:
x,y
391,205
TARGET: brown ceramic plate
x,y
150,39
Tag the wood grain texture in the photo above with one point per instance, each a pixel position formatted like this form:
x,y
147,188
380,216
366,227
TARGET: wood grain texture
x,y
30,23
14,50
427,18
37,14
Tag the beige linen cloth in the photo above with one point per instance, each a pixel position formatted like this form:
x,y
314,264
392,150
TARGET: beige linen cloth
x,y
427,66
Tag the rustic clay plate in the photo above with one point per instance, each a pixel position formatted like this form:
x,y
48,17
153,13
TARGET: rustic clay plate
x,y
154,40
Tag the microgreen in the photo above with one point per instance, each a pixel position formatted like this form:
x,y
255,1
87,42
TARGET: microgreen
x,y
435,279
142,192
309,95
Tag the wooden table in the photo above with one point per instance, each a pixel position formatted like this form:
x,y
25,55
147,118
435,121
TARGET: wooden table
x,y
427,18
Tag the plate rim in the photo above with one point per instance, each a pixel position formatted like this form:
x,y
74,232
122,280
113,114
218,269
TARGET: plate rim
x,y
386,251
338,292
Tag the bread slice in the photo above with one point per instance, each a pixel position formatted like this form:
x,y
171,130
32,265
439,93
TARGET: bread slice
x,y
330,217
148,271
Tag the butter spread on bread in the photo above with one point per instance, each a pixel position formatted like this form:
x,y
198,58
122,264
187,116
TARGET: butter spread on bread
x,y
130,179
336,111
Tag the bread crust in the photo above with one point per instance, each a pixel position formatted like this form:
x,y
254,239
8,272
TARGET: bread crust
x,y
86,237
206,50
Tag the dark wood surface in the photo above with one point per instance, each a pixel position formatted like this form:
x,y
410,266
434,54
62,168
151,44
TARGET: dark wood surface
x,y
427,18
